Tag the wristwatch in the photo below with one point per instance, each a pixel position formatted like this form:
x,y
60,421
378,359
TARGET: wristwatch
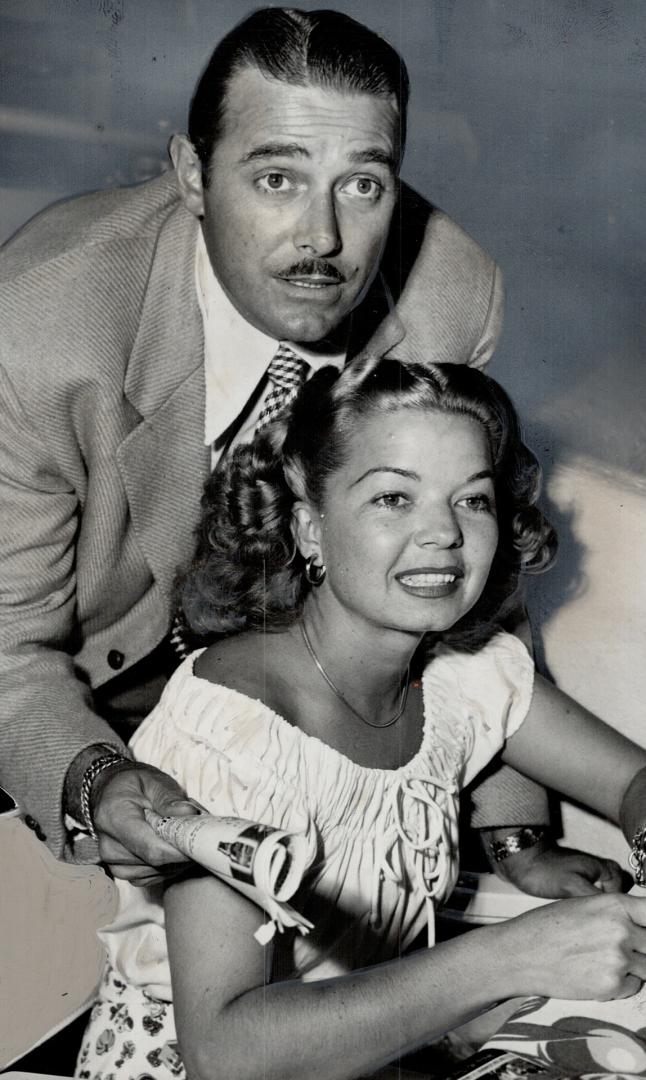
x,y
515,842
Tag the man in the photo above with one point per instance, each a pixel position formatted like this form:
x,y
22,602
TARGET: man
x,y
140,327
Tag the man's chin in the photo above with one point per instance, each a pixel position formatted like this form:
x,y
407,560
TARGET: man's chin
x,y
308,315
309,328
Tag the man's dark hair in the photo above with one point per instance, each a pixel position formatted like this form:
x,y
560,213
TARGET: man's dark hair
x,y
322,48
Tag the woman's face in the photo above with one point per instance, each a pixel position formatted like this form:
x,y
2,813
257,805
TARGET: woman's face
x,y
408,530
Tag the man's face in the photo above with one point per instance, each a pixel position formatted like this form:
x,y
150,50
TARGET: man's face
x,y
301,192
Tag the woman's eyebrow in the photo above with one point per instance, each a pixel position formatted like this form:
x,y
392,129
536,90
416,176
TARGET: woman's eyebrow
x,y
408,473
485,474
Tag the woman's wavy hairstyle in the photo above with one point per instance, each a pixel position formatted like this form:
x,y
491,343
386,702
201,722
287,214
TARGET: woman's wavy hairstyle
x,y
247,573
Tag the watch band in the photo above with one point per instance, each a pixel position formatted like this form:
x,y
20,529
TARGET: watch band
x,y
516,841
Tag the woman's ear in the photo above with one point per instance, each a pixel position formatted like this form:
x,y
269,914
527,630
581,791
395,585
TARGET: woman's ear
x,y
188,169
306,529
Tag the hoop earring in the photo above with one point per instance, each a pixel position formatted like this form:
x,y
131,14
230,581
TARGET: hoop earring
x,y
314,573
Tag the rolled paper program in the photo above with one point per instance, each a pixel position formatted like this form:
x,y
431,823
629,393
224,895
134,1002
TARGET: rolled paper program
x,y
265,864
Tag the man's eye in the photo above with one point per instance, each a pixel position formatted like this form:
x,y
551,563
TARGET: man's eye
x,y
364,187
274,181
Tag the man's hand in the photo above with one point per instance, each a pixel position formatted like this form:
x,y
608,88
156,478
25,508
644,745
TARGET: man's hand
x,y
558,872
127,843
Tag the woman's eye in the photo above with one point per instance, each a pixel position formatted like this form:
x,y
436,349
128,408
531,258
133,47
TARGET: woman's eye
x,y
274,181
392,500
363,186
477,502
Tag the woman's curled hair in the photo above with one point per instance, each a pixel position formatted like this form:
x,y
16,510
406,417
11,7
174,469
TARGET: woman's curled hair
x,y
247,572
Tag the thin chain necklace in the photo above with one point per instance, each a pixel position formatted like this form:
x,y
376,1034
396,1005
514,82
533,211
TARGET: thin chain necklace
x,y
335,689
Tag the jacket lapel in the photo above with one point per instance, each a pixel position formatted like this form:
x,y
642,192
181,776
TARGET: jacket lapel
x,y
163,461
376,327
382,321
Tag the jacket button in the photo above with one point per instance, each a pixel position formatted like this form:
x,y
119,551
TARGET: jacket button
x,y
31,822
115,659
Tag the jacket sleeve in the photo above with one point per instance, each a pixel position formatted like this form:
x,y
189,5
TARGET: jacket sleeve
x,y
46,717
492,326
448,291
506,798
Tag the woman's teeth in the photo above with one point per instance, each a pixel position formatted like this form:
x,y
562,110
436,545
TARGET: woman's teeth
x,y
427,579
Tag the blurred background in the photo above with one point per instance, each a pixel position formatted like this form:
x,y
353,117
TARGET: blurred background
x,y
527,125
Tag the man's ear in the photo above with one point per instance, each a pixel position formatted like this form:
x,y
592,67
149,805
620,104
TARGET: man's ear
x,y
188,169
306,530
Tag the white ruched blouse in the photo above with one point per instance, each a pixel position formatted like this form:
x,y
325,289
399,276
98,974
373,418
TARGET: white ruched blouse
x,y
383,841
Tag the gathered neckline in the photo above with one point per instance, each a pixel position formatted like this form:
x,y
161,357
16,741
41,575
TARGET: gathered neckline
x,y
314,739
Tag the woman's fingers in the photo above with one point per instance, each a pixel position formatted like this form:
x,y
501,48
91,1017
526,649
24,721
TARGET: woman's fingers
x,y
636,908
629,986
591,947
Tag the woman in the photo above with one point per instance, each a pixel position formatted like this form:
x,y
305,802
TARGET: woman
x,y
398,512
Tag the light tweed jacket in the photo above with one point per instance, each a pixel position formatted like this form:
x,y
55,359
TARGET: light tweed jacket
x,y
102,457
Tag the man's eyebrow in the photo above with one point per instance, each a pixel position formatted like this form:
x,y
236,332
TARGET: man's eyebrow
x,y
374,155
408,473
371,155
274,149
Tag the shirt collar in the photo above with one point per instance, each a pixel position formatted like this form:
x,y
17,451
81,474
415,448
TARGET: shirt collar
x,y
236,354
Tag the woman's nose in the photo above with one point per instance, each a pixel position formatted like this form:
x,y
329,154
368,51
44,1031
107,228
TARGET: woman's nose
x,y
441,529
317,231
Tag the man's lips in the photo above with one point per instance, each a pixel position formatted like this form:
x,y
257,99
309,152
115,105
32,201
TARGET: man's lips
x,y
310,282
312,274
315,281
430,581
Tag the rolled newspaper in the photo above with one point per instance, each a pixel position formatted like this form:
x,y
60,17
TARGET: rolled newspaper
x,y
265,864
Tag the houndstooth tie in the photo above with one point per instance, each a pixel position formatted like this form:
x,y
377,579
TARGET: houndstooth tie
x,y
287,373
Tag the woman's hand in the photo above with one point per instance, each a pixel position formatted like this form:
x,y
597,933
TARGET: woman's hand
x,y
593,947
559,872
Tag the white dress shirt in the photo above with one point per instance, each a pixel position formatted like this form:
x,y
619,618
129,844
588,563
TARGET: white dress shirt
x,y
236,358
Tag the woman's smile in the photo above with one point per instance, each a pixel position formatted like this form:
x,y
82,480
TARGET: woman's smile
x,y
427,582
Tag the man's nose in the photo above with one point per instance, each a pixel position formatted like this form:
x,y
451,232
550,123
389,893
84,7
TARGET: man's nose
x,y
317,232
440,528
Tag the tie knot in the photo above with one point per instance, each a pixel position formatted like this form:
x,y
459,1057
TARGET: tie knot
x,y
287,369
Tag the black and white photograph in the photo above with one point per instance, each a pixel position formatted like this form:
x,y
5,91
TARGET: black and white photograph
x,y
322,571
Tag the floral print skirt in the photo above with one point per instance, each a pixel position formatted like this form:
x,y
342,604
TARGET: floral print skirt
x,y
130,1036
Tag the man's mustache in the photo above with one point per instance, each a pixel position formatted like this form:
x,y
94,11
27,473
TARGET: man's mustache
x,y
313,268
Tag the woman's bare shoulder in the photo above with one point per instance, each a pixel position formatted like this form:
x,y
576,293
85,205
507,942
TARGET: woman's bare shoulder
x,y
252,663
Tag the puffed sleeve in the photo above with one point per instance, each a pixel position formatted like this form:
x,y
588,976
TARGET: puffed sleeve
x,y
228,751
479,699
235,757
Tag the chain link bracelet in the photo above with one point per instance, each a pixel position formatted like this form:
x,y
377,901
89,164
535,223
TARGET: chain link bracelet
x,y
637,857
99,765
